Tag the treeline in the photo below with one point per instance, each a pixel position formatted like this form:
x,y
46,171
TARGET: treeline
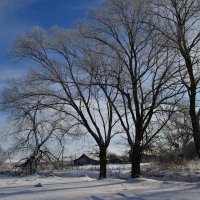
x,y
127,70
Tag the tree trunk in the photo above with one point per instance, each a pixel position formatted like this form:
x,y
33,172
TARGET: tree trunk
x,y
192,94
135,162
103,162
32,165
194,116
196,133
136,152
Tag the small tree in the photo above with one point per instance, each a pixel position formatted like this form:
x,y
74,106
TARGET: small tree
x,y
178,131
32,124
3,156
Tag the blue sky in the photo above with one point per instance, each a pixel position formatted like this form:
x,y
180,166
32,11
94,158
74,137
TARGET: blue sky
x,y
18,16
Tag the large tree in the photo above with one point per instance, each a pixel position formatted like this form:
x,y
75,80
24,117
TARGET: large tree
x,y
178,21
72,89
125,50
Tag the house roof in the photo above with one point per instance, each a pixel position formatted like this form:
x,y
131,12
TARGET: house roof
x,y
88,156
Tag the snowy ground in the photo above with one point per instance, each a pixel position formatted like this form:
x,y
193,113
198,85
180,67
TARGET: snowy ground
x,y
78,185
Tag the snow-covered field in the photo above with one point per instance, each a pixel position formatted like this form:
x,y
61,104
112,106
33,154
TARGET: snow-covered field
x,y
79,185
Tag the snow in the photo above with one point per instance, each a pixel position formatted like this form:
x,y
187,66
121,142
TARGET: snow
x,y
85,185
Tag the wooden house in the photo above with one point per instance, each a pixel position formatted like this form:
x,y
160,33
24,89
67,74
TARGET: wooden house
x,y
85,160
116,161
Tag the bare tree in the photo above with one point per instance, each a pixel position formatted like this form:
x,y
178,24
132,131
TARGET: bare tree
x,y
178,131
125,52
178,21
72,88
31,125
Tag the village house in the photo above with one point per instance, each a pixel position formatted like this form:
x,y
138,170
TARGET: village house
x,y
85,160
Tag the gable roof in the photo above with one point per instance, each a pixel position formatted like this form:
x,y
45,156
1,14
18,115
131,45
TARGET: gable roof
x,y
86,157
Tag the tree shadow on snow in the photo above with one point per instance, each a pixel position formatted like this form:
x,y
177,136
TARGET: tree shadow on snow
x,y
34,191
31,185
96,198
128,197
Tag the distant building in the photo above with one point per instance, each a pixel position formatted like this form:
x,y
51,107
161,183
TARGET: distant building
x,y
85,160
116,161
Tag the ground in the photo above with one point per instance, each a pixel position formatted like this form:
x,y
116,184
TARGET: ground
x,y
76,185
